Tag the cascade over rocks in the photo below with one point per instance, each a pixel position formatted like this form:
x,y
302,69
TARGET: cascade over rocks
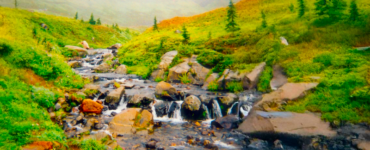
x,y
165,90
90,106
191,103
166,60
115,96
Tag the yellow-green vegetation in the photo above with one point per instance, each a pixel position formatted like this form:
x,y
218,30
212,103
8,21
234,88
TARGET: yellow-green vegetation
x,y
213,86
321,49
234,87
264,82
184,79
34,72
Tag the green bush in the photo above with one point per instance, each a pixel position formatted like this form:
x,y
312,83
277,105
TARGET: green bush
x,y
234,87
213,86
264,81
184,79
44,97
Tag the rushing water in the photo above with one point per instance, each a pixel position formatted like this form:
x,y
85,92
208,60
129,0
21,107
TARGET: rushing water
x,y
173,122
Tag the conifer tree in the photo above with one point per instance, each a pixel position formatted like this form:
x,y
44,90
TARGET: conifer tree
x,y
76,16
98,22
155,26
82,20
231,25
92,21
185,35
15,3
336,8
264,22
353,11
302,8
322,7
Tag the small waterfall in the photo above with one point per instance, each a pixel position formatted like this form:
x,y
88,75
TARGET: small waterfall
x,y
216,110
246,111
154,113
207,111
230,111
121,106
177,112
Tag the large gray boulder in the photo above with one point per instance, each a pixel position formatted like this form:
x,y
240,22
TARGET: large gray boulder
x,y
102,68
306,124
198,72
75,64
166,60
121,70
115,96
177,71
289,91
165,90
141,99
191,103
81,51
254,76
229,99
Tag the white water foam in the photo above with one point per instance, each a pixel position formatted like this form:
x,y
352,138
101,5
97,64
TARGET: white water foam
x,y
122,106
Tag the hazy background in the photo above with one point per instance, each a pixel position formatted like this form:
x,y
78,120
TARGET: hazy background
x,y
131,13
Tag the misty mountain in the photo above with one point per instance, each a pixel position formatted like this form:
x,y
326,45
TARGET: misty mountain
x,y
123,12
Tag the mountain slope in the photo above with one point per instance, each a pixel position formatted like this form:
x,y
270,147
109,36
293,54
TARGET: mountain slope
x,y
321,50
123,12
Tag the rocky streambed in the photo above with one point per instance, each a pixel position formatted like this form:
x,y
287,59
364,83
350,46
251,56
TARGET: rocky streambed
x,y
126,111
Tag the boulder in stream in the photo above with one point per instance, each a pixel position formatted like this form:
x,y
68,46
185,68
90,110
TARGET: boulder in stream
x,y
90,106
165,90
102,68
115,96
128,120
121,70
191,103
227,122
254,76
75,64
139,100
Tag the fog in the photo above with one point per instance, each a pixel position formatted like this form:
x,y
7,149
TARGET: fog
x,y
129,13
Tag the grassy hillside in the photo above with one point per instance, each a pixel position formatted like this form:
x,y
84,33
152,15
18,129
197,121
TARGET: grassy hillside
x,y
123,12
34,72
321,50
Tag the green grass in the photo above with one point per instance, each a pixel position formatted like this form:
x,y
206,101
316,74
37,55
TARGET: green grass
x,y
234,87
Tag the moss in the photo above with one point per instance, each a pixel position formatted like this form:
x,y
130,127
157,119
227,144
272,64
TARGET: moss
x,y
234,87
184,79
